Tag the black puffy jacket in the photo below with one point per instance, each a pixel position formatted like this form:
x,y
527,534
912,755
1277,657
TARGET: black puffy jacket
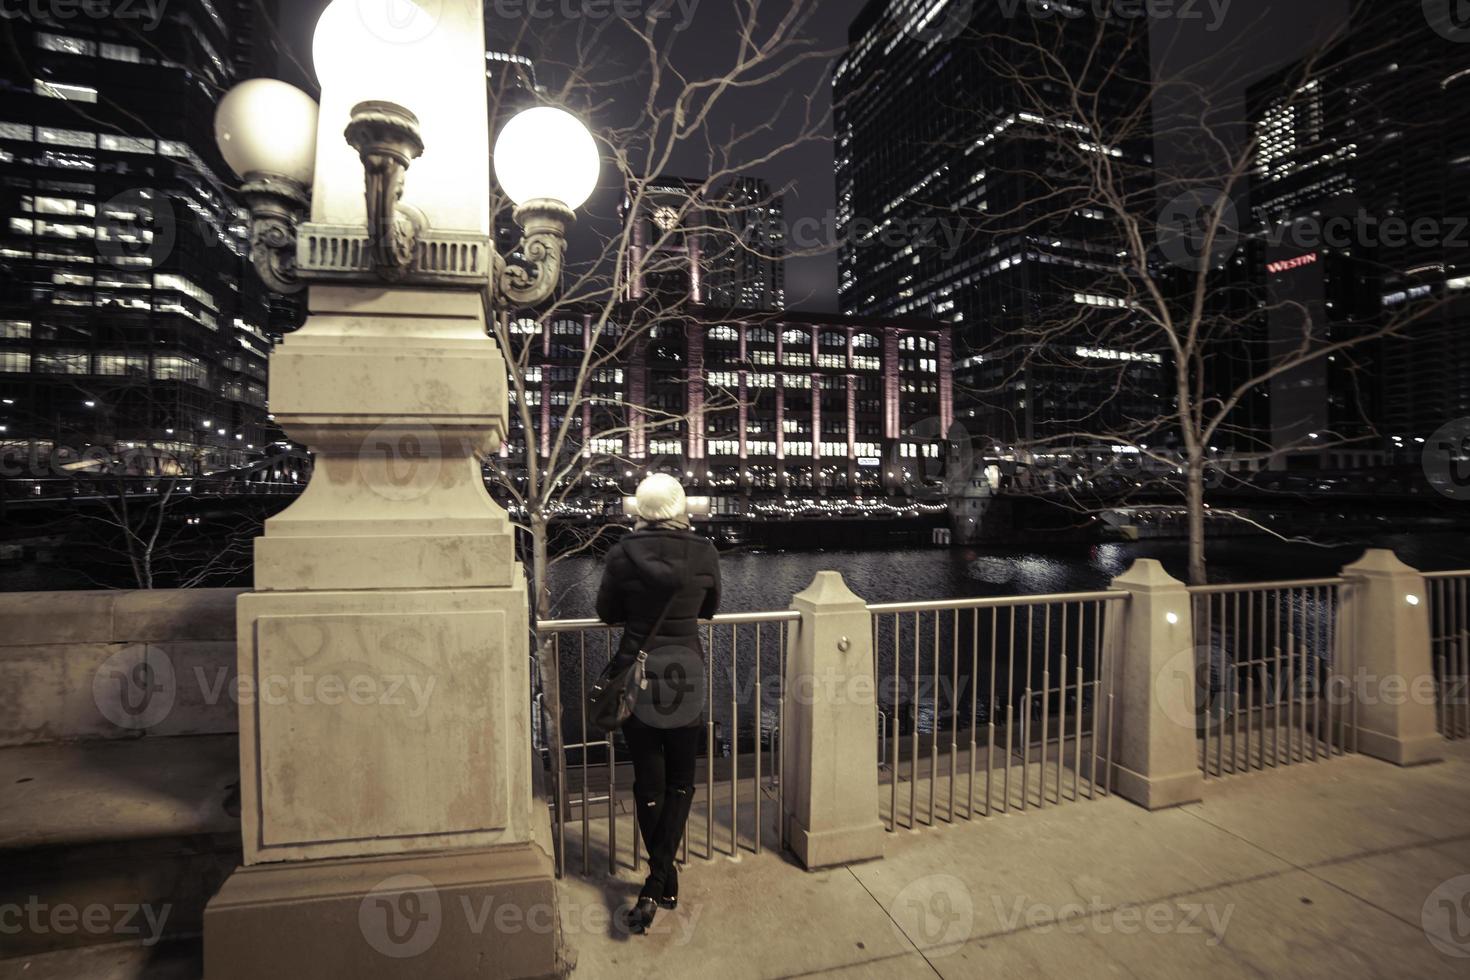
x,y
643,572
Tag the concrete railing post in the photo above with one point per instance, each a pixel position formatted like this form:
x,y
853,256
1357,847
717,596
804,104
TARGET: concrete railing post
x,y
1383,638
1154,749
830,746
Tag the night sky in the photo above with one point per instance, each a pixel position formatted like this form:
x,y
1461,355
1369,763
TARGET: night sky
x,y
1236,41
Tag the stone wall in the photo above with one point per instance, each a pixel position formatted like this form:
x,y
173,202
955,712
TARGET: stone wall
x,y
112,665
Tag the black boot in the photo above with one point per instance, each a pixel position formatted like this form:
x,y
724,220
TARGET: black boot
x,y
666,843
670,897
640,916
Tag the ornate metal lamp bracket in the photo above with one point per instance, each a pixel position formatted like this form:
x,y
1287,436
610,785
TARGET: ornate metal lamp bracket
x,y
387,138
277,207
537,272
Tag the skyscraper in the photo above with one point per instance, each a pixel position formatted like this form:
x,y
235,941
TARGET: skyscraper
x,y
746,252
1362,174
130,315
948,203
722,246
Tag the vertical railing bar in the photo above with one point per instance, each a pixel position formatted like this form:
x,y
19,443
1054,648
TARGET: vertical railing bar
x,y
1026,712
734,741
914,739
1447,597
709,749
1293,683
779,747
1278,685
1309,680
934,723
1045,703
954,705
1302,684
1025,748
582,694
1227,654
1097,706
990,714
1077,729
1352,643
1110,659
1005,803
893,786
558,766
1455,648
1343,661
1062,716
1334,723
1235,685
1250,698
1319,675
1288,642
1203,623
1460,705
612,786
1456,661
760,721
1062,705
974,703
1436,648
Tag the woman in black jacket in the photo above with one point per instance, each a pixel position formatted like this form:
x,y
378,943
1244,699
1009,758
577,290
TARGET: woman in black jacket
x,y
662,573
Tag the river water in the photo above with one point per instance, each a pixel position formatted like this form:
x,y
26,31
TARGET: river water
x,y
764,581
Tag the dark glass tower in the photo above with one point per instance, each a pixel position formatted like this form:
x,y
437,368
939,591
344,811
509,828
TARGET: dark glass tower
x,y
746,254
1373,149
130,316
948,205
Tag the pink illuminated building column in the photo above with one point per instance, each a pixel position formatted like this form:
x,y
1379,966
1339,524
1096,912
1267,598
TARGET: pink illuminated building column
x,y
946,380
694,339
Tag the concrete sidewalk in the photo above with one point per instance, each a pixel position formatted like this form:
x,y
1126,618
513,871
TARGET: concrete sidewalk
x,y
1322,870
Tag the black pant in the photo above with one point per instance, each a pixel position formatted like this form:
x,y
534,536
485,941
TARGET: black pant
x,y
663,788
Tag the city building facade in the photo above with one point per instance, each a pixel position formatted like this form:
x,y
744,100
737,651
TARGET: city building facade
x,y
749,403
947,176
1362,190
130,316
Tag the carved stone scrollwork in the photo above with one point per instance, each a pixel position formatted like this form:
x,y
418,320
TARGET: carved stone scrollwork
x,y
534,275
277,206
387,138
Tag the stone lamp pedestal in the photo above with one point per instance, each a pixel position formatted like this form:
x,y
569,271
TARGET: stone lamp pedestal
x,y
385,761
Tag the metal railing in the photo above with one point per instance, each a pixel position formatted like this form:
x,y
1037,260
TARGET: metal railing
x,y
1449,632
743,717
950,670
1273,674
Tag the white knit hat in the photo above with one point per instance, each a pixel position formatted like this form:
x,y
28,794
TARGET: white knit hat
x,y
661,498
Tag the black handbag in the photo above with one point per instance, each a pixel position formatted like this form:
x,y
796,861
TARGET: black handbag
x,y
615,693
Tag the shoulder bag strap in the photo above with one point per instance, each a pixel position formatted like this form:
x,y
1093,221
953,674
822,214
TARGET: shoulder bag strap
x,y
653,630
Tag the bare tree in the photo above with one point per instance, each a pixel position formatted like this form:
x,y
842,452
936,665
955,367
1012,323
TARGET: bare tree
x,y
656,107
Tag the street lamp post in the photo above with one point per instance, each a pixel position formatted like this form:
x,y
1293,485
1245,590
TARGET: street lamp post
x,y
386,772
